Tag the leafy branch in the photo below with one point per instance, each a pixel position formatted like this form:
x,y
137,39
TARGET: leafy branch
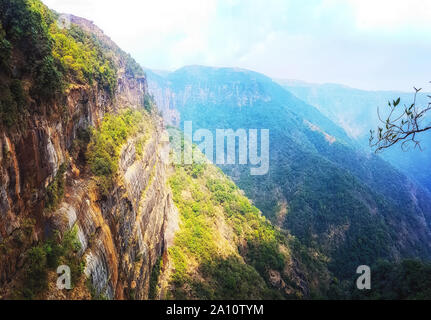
x,y
402,125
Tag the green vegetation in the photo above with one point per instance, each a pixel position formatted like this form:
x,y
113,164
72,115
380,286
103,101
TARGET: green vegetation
x,y
55,191
83,58
408,280
5,48
12,101
207,264
326,203
154,278
26,28
263,239
133,69
79,147
49,58
48,81
48,256
20,238
106,142
148,102
93,291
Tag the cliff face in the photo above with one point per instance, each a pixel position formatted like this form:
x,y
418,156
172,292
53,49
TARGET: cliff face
x,y
31,157
164,97
122,234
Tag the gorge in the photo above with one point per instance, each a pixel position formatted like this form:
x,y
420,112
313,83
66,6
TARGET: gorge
x,y
88,142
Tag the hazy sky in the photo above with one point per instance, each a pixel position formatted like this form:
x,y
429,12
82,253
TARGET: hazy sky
x,y
369,44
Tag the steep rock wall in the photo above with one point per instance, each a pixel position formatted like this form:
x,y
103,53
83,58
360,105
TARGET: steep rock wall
x,y
31,158
121,235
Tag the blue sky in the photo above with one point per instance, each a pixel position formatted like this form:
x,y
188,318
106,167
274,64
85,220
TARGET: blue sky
x,y
367,44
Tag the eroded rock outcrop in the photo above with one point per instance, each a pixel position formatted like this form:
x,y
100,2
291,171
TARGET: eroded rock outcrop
x,y
122,234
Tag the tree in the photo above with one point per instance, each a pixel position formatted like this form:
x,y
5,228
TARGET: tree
x,y
402,125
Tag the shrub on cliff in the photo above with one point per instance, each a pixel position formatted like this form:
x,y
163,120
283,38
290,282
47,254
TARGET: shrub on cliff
x,y
83,58
106,142
155,274
26,29
148,102
133,69
48,80
55,190
5,49
48,256
47,55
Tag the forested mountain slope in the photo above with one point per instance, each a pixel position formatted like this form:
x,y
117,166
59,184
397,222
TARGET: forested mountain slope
x,y
356,112
321,186
86,182
225,249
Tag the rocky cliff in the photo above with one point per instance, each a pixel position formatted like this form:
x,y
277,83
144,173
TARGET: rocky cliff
x,y
164,97
121,234
86,182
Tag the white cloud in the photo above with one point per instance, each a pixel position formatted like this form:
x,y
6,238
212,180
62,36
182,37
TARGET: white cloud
x,y
392,14
172,28
363,43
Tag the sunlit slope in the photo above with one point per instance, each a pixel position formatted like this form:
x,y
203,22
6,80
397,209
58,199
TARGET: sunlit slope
x,y
225,249
320,185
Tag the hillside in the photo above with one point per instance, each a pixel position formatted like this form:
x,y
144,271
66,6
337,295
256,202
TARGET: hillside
x,y
86,182
89,181
356,112
76,130
321,187
225,249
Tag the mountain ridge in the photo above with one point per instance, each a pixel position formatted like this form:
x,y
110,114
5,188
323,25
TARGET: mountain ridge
x,y
356,111
302,155
87,182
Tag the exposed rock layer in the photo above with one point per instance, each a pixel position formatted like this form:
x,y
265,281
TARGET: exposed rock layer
x,y
122,235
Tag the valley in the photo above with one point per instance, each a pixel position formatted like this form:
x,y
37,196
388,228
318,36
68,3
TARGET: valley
x,y
106,168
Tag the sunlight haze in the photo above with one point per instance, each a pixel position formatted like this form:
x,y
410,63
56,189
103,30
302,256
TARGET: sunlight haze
x,y
374,45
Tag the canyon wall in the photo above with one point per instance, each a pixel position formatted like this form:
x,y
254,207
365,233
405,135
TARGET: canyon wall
x,y
121,234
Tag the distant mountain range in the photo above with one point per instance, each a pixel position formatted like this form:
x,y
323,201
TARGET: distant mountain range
x,y
356,112
322,186
88,186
